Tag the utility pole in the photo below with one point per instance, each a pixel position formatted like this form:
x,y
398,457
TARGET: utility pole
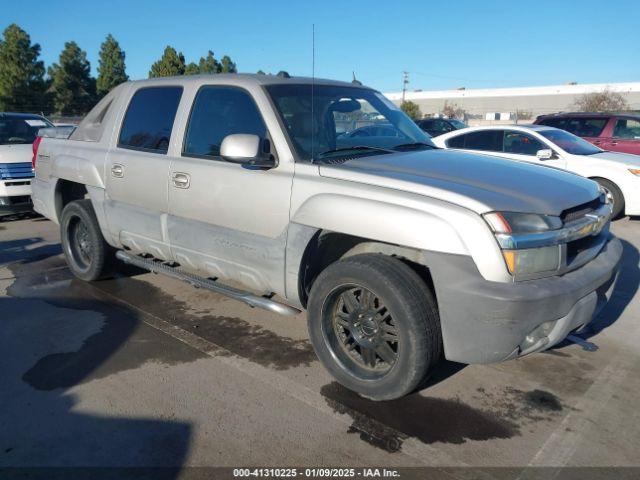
x,y
405,82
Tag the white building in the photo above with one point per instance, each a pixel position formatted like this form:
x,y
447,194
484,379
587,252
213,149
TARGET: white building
x,y
504,104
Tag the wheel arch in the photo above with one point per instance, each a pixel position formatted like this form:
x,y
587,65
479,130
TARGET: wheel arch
x,y
324,247
67,191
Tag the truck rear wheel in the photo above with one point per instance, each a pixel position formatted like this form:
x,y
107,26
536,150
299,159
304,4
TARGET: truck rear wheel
x,y
374,325
88,255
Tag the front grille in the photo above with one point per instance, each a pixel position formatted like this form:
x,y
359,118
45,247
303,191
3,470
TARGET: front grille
x,y
10,171
574,213
18,200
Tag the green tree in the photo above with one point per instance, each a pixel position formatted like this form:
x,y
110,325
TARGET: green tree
x,y
260,72
111,68
191,69
411,109
171,63
227,66
209,64
22,85
72,87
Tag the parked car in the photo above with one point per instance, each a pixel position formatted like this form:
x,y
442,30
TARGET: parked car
x,y
17,133
617,173
400,252
380,129
438,126
613,132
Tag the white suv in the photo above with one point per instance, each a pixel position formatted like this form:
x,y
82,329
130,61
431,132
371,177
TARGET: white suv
x,y
17,133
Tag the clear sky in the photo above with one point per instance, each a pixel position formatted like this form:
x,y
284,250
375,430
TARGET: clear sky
x,y
443,44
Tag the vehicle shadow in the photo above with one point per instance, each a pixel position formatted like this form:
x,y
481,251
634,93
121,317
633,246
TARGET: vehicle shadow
x,y
23,251
55,337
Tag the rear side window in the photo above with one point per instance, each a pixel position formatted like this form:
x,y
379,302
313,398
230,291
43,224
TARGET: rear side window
x,y
489,141
149,119
218,112
456,142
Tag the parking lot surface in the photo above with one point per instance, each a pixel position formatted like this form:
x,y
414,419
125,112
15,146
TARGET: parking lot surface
x,y
143,370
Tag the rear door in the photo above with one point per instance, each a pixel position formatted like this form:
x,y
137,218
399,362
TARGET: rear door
x,y
137,171
227,220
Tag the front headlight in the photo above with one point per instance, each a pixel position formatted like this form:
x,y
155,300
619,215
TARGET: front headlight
x,y
532,260
516,223
528,261
635,171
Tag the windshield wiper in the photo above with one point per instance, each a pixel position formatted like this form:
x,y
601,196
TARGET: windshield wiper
x,y
413,145
356,148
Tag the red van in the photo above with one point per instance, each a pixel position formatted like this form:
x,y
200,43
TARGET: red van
x,y
609,131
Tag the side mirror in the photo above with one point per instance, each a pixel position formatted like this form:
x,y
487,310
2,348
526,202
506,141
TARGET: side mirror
x,y
545,154
246,149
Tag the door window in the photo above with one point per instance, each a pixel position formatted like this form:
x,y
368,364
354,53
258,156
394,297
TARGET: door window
x,y
216,113
521,143
149,119
627,128
585,127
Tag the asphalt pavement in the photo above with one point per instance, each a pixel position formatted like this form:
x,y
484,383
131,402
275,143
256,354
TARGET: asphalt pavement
x,y
145,371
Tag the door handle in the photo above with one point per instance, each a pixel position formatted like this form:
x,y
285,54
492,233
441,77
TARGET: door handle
x,y
181,180
117,170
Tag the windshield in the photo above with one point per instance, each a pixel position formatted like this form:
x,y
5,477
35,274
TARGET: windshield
x,y
569,142
458,124
20,130
343,121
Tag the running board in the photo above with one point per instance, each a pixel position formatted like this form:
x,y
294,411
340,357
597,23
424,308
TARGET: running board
x,y
156,266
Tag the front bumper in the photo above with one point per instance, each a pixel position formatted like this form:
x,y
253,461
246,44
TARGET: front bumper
x,y
15,205
485,322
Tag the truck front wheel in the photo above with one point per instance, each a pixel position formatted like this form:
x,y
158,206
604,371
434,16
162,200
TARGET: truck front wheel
x,y
88,255
374,325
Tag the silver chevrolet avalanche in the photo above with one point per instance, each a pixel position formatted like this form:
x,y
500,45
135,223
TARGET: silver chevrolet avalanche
x,y
270,190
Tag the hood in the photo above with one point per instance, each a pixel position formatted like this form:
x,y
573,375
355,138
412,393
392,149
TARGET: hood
x,y
617,157
478,182
16,153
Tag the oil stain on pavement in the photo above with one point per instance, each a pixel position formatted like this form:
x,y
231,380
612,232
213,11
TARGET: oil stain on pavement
x,y
238,336
387,424
524,407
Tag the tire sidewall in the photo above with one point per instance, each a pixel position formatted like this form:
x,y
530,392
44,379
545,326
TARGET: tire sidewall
x,y
413,359
80,209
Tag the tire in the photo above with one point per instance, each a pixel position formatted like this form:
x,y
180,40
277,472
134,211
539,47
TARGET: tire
x,y
88,255
389,297
616,196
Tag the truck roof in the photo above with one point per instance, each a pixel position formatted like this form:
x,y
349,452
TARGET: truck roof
x,y
247,78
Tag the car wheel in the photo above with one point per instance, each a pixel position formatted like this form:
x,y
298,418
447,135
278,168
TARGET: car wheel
x,y
88,255
374,325
615,196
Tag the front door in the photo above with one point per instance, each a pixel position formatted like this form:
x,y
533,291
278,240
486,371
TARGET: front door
x,y
226,220
137,169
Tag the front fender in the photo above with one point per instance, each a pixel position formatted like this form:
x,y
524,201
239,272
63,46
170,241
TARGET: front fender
x,y
380,221
411,221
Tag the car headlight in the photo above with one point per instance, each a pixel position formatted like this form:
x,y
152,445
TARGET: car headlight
x,y
532,260
527,261
635,171
516,223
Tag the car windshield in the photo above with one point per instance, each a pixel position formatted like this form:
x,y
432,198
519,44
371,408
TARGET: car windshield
x,y
458,124
20,130
343,121
569,142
